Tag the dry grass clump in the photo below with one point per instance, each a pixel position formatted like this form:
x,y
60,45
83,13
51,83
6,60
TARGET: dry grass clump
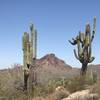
x,y
96,88
58,95
75,84
78,83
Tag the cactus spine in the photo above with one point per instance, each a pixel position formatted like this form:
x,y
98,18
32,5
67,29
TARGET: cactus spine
x,y
83,42
29,57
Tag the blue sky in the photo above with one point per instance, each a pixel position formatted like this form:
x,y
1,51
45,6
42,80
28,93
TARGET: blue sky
x,y
56,21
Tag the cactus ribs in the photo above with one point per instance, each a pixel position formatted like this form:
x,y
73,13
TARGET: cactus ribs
x,y
83,42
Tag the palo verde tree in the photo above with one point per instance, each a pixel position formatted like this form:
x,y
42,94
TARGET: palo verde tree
x,y
84,44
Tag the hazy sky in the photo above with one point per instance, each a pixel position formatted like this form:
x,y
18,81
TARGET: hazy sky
x,y
56,21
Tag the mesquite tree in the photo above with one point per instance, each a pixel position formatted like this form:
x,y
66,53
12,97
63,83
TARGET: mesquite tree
x,y
84,50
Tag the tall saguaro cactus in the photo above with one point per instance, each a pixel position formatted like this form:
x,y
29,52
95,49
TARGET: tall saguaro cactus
x,y
84,42
29,57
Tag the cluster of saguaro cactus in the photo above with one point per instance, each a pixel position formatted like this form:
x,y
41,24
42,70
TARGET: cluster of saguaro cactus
x,y
83,42
29,55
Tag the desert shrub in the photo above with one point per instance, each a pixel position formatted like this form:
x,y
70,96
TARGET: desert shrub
x,y
47,88
57,95
90,78
75,84
40,90
79,83
44,89
11,84
96,88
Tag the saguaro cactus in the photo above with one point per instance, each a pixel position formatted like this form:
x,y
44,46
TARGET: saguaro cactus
x,y
83,42
29,56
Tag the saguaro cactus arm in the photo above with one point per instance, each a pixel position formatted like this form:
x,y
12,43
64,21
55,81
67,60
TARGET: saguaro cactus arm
x,y
73,42
94,29
76,54
91,59
82,38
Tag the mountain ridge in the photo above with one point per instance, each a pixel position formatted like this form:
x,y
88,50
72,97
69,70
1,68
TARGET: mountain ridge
x,y
50,67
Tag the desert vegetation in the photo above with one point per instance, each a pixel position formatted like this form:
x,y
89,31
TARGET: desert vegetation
x,y
84,46
11,86
50,78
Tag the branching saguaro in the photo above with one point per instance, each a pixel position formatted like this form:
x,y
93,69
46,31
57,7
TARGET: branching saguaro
x,y
84,44
29,58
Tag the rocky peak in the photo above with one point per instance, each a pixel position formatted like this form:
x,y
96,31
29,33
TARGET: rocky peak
x,y
52,60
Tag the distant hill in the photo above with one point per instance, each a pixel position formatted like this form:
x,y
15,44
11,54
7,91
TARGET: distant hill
x,y
50,67
51,63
